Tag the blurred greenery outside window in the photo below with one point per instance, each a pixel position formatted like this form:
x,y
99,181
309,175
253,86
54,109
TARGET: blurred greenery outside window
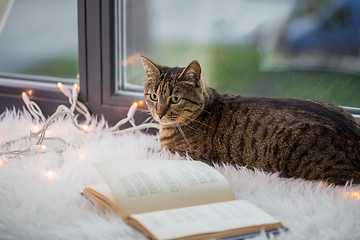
x,y
276,48
39,40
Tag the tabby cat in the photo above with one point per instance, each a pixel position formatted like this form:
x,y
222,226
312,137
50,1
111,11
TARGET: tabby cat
x,y
295,137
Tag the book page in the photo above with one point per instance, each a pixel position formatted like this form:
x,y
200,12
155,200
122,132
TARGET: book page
x,y
222,219
149,185
101,195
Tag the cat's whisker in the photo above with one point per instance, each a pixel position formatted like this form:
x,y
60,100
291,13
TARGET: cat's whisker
x,y
202,109
168,123
196,129
182,132
194,120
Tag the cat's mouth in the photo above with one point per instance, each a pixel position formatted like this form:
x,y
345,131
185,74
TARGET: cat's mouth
x,y
165,121
168,121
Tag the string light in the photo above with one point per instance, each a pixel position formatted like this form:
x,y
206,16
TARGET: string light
x,y
25,98
75,90
33,108
64,89
77,86
37,147
38,134
75,104
36,129
132,110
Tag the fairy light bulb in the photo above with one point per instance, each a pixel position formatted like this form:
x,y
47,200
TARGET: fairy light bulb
x,y
38,148
35,128
75,90
141,102
25,98
51,174
77,86
63,89
81,155
85,127
132,110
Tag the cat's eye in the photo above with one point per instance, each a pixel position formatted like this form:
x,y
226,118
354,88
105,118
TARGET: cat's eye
x,y
175,99
154,97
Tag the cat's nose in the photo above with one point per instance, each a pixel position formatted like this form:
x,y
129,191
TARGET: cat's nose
x,y
160,114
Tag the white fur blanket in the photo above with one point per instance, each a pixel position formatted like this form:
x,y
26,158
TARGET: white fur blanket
x,y
34,205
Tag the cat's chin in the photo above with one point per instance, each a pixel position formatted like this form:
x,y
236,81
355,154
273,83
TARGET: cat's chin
x,y
166,123
169,123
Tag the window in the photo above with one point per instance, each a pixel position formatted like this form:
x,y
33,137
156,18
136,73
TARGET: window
x,y
251,47
276,48
39,40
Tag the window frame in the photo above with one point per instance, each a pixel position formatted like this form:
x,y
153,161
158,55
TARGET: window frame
x,y
97,52
98,66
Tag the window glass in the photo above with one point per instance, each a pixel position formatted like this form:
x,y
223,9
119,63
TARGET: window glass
x,y
38,39
276,48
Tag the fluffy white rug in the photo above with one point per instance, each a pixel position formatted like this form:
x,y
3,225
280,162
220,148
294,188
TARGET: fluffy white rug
x,y
34,205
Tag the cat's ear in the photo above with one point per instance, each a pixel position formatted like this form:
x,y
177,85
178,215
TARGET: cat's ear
x,y
151,69
191,73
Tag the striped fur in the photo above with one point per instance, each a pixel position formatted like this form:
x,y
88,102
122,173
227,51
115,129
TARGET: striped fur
x,y
294,137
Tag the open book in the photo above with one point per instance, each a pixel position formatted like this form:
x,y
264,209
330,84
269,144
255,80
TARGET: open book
x,y
176,199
